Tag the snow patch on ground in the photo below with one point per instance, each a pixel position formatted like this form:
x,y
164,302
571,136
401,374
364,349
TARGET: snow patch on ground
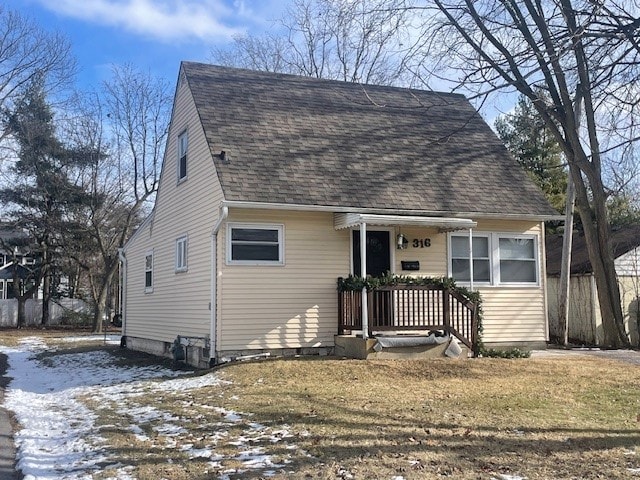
x,y
59,437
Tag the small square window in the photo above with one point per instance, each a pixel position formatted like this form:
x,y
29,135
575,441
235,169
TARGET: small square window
x,y
183,147
253,244
181,254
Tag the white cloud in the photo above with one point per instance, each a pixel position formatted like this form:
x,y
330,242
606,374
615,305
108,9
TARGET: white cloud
x,y
164,20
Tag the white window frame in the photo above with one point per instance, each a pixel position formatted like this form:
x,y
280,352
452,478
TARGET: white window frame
x,y
494,258
183,152
2,289
182,252
466,237
148,288
256,226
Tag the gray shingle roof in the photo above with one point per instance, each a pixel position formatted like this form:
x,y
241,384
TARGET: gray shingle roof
x,y
299,140
623,240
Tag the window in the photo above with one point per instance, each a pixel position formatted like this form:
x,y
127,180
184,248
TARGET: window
x,y
517,260
498,258
2,290
181,254
183,146
460,259
252,244
148,272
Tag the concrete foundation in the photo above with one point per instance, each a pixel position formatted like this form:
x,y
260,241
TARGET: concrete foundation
x,y
198,356
357,347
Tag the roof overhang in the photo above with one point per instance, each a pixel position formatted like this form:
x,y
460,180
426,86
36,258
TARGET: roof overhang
x,y
350,220
389,211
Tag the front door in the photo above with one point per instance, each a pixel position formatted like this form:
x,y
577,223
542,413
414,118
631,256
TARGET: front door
x,y
378,253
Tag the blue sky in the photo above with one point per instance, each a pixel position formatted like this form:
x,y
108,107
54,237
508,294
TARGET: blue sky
x,y
151,34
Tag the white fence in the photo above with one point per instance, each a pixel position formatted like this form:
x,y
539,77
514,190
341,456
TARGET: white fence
x,y
60,311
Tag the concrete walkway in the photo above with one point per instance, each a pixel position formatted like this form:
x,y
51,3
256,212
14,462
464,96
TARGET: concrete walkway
x,y
626,356
7,448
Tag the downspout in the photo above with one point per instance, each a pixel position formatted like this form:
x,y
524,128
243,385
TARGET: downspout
x,y
363,273
471,259
224,213
123,297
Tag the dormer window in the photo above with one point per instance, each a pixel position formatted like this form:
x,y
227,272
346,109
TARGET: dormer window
x,y
183,147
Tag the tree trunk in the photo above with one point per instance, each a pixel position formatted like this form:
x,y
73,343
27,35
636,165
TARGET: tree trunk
x,y
46,286
100,302
22,320
596,232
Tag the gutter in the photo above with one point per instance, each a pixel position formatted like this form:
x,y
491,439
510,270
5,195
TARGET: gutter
x,y
224,213
123,301
389,211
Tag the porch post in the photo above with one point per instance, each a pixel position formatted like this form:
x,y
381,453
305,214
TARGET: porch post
x,y
471,259
363,273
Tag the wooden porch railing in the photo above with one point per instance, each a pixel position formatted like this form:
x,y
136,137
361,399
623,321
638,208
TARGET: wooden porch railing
x,y
411,307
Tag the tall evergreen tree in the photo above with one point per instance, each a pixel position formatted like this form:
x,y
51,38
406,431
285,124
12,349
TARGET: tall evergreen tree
x,y
531,142
42,193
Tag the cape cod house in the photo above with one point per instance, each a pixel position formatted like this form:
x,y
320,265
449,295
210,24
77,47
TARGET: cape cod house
x,y
270,184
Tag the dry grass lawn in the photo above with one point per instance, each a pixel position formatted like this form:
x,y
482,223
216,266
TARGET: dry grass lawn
x,y
545,419
555,418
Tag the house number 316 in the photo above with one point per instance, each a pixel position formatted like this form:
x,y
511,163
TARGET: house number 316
x,y
421,242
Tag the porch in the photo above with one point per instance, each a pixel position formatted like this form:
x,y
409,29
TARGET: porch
x,y
408,309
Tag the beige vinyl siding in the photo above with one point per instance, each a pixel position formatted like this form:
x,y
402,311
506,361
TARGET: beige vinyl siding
x,y
179,304
515,314
284,306
433,259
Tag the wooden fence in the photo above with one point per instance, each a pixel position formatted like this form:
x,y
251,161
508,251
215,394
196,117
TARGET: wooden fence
x,y
61,311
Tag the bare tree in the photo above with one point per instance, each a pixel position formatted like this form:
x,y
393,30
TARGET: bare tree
x,y
29,53
122,134
351,40
558,54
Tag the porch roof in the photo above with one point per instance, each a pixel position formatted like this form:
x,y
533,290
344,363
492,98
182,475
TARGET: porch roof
x,y
349,220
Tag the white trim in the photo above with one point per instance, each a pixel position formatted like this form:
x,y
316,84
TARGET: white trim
x,y
383,211
148,289
350,220
182,240
476,234
494,259
279,227
213,328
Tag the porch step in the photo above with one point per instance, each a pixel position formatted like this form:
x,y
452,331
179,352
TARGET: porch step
x,y
356,347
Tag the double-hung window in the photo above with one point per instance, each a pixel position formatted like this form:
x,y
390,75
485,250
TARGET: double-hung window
x,y
148,272
183,147
181,254
255,244
460,258
498,259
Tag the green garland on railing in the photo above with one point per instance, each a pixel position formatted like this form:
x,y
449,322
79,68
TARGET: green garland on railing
x,y
354,283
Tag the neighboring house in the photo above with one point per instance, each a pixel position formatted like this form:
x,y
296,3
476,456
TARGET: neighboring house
x,y
269,181
585,321
13,257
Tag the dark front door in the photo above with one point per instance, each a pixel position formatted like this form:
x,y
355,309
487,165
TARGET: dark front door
x,y
378,253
